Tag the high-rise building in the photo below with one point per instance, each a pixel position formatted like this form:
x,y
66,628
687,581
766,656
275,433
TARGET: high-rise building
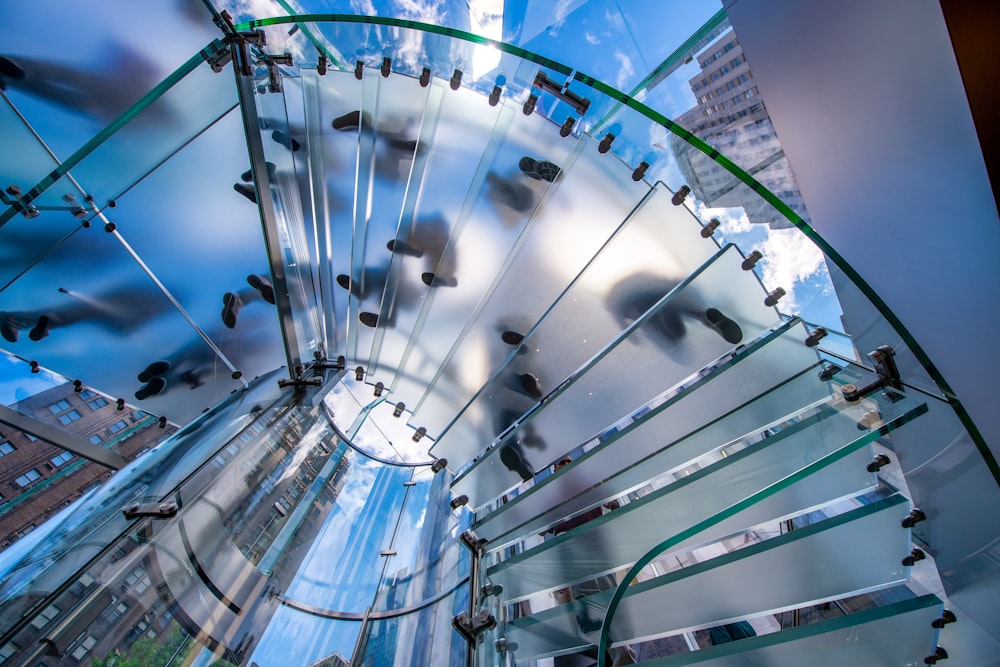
x,y
732,117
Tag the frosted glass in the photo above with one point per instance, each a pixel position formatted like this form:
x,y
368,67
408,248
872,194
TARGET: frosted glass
x,y
657,350
112,161
761,384
747,465
466,128
643,241
597,193
896,634
501,214
810,565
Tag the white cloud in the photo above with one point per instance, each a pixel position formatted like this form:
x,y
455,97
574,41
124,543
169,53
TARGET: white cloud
x,y
789,258
626,70
364,7
418,10
591,38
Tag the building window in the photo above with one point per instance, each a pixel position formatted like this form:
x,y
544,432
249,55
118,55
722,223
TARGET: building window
x,y
7,651
65,457
69,417
45,616
61,406
95,439
88,394
97,403
27,478
6,448
84,648
117,427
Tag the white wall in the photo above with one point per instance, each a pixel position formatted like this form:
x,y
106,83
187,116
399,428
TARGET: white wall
x,y
869,105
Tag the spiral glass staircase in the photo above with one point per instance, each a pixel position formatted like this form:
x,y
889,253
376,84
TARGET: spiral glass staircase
x,y
517,400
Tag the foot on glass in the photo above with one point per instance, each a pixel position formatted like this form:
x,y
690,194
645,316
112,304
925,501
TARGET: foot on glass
x,y
285,140
511,337
247,176
588,624
540,170
728,329
262,284
231,308
433,280
41,329
153,370
8,329
531,385
350,121
344,281
192,379
246,190
403,248
154,387
369,319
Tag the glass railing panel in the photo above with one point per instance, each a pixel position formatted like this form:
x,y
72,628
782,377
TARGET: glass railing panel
x,y
33,565
295,636
775,575
499,221
757,389
643,241
389,133
421,637
657,348
282,138
467,128
396,288
112,161
429,558
332,162
860,638
207,257
519,299
154,357
353,535
25,240
726,475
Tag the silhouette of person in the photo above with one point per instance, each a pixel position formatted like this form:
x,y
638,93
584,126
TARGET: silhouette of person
x,y
233,302
121,310
633,296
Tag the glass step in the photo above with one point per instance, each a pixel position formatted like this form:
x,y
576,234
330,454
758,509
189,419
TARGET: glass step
x,y
759,386
597,193
653,236
828,430
657,349
772,576
429,213
500,209
896,634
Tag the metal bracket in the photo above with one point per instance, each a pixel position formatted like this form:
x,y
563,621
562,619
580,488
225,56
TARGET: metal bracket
x,y
579,104
473,541
154,510
471,628
887,375
217,54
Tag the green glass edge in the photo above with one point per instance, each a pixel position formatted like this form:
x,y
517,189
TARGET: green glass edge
x,y
799,633
749,501
713,154
572,379
730,557
740,356
144,103
819,413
